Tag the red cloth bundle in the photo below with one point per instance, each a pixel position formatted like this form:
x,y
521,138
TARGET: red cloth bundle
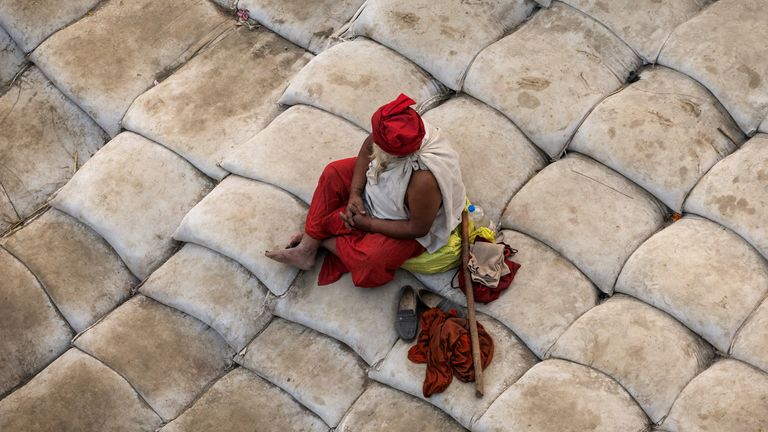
x,y
485,294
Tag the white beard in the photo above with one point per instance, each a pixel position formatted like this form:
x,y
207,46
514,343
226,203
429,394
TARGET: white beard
x,y
381,159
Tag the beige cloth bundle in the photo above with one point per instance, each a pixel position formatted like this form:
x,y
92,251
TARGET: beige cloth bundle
x,y
486,263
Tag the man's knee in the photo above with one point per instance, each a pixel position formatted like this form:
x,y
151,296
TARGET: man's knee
x,y
339,169
387,252
330,171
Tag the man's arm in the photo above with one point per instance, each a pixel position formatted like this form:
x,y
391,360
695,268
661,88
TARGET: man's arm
x,y
355,204
424,200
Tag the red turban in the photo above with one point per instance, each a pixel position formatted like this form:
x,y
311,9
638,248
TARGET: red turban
x,y
397,128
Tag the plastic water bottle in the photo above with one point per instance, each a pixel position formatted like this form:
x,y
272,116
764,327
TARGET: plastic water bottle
x,y
478,216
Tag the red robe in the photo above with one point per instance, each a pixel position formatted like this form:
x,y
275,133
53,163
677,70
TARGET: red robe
x,y
371,258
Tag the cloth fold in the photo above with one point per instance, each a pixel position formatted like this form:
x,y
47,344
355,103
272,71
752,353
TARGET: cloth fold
x,y
444,345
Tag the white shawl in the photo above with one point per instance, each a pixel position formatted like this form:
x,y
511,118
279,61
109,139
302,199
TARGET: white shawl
x,y
385,197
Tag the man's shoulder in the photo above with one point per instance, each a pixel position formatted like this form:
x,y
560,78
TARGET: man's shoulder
x,y
423,179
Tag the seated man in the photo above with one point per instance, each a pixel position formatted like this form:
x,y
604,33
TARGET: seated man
x,y
403,194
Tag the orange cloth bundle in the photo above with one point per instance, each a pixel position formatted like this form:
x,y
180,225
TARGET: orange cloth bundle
x,y
444,345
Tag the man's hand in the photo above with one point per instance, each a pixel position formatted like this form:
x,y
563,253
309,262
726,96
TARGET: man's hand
x,y
355,206
359,222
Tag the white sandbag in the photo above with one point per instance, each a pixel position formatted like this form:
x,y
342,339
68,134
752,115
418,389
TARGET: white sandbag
x,y
169,372
228,4
30,22
129,45
729,396
293,150
353,79
547,295
76,393
134,193
205,110
496,158
361,318
644,25
213,289
11,59
316,370
750,342
32,333
707,277
381,406
241,219
724,49
548,75
80,271
734,193
443,284
557,395
645,350
240,400
45,139
441,37
511,359
307,25
590,214
663,132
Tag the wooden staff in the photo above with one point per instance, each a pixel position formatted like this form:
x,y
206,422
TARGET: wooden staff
x,y
470,293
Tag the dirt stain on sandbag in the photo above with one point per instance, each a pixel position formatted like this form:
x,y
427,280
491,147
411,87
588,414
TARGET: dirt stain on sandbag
x,y
452,32
590,55
691,107
533,83
538,398
662,119
315,90
574,218
602,6
729,205
323,34
294,9
636,354
526,100
407,20
353,81
754,77
269,46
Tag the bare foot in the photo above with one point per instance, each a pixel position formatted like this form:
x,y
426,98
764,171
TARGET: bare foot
x,y
297,256
295,240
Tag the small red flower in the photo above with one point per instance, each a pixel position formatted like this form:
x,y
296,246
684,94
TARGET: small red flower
x,y
243,14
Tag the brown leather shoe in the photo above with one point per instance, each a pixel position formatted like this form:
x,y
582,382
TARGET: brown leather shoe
x,y
406,320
